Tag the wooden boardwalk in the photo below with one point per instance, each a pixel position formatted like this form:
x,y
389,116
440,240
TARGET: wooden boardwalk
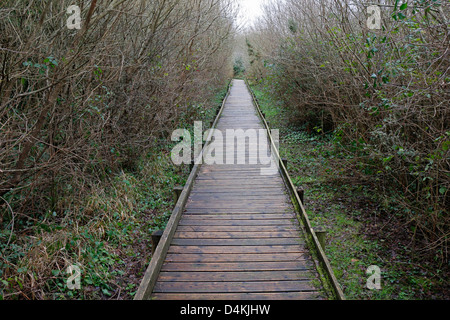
x,y
237,237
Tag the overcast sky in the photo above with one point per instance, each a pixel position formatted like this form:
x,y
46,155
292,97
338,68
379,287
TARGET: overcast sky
x,y
250,10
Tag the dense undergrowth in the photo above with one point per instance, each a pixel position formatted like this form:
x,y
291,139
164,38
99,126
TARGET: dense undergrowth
x,y
363,230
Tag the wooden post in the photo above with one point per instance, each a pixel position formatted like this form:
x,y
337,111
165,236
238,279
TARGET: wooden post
x,y
156,236
321,234
301,195
176,194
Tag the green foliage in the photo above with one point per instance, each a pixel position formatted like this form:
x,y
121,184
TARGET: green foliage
x,y
238,67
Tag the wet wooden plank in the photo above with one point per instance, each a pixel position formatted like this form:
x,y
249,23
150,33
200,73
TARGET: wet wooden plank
x,y
237,197
264,296
244,205
238,266
234,216
230,184
237,242
235,235
261,192
237,228
231,222
236,276
261,189
238,168
238,286
194,201
237,249
235,257
255,211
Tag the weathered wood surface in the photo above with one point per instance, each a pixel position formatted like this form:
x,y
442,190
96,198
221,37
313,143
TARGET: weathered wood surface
x,y
238,237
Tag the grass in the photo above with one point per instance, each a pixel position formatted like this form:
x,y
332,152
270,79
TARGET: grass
x,y
362,230
107,234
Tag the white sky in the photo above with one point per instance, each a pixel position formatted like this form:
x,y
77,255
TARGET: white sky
x,y
249,11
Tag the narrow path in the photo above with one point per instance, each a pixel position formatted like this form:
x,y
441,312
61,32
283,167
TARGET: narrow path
x,y
238,237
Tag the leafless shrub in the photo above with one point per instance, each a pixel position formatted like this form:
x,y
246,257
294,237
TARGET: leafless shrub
x,y
88,101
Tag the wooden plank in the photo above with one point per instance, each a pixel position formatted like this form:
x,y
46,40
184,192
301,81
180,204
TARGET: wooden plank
x,y
228,177
234,168
261,192
240,211
230,222
194,201
269,296
234,176
260,189
251,194
238,197
241,184
229,287
237,242
234,257
235,276
238,228
211,203
230,174
238,266
256,190
236,179
233,216
261,211
247,206
232,207
235,235
236,249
